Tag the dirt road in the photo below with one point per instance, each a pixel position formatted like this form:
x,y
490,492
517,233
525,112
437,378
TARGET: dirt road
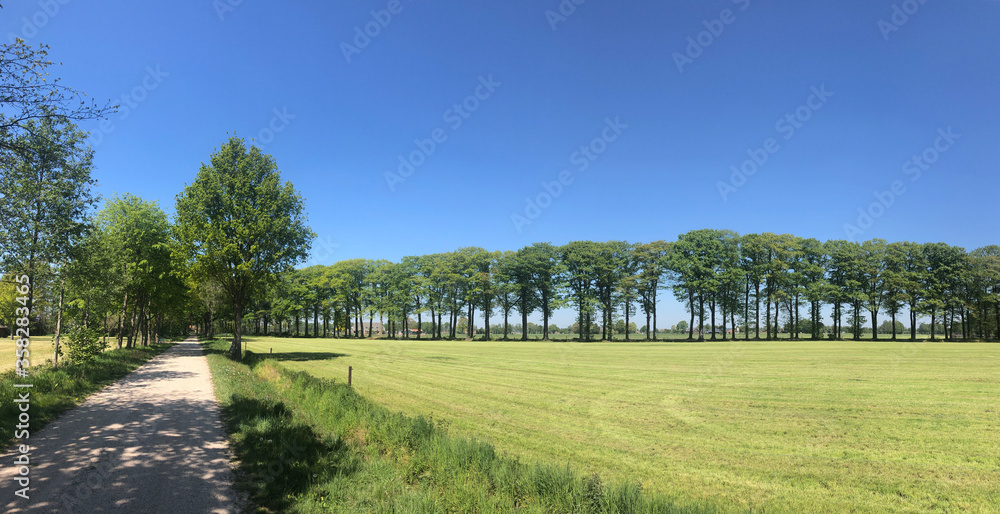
x,y
153,442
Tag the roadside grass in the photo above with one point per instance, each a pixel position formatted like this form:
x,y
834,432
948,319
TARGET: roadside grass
x,y
789,426
311,445
56,390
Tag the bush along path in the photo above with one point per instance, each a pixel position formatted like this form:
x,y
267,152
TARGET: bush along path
x,y
151,442
310,445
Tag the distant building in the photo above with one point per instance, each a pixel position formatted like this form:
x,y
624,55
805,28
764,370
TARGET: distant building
x,y
377,330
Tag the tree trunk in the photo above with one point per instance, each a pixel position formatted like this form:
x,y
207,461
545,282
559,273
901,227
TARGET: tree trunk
x,y
691,325
472,311
524,322
711,306
746,310
626,319
654,318
486,319
996,313
724,335
545,317
768,319
756,309
62,290
121,319
701,317
236,349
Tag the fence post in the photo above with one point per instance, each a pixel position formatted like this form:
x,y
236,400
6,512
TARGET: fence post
x,y
349,370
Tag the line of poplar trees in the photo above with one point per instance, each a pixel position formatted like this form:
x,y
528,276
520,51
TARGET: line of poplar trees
x,y
758,284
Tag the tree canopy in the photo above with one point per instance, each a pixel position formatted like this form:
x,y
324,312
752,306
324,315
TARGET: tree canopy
x,y
239,225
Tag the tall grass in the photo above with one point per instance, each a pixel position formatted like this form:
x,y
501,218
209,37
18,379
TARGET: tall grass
x,y
55,390
311,445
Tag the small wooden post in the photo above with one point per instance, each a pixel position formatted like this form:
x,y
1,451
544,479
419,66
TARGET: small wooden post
x,y
270,350
349,370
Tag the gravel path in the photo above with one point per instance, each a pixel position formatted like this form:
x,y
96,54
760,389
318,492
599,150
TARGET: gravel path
x,y
152,442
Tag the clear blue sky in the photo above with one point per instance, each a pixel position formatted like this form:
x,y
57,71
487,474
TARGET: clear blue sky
x,y
347,123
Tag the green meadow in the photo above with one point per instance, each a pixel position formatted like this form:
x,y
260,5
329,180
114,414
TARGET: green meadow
x,y
764,426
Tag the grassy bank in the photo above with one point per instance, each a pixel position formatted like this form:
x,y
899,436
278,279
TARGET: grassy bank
x,y
311,445
55,390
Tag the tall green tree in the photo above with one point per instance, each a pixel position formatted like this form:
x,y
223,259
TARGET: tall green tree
x,y
813,269
138,235
505,286
874,274
652,261
753,262
418,269
945,267
628,283
912,278
986,263
580,259
45,196
546,278
241,226
609,266
847,277
895,282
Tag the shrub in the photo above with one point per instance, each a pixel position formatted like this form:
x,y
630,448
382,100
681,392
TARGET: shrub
x,y
85,345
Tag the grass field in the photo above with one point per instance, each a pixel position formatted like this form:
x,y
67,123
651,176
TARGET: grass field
x,y
41,350
40,353
786,426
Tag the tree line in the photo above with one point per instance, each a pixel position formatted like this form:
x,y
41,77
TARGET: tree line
x,y
130,272
756,283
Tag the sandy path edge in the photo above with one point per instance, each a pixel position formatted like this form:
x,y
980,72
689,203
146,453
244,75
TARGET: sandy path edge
x,y
151,442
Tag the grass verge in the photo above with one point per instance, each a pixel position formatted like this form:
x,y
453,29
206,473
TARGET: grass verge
x,y
311,445
56,390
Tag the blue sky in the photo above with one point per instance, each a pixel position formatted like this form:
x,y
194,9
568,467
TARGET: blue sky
x,y
893,86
